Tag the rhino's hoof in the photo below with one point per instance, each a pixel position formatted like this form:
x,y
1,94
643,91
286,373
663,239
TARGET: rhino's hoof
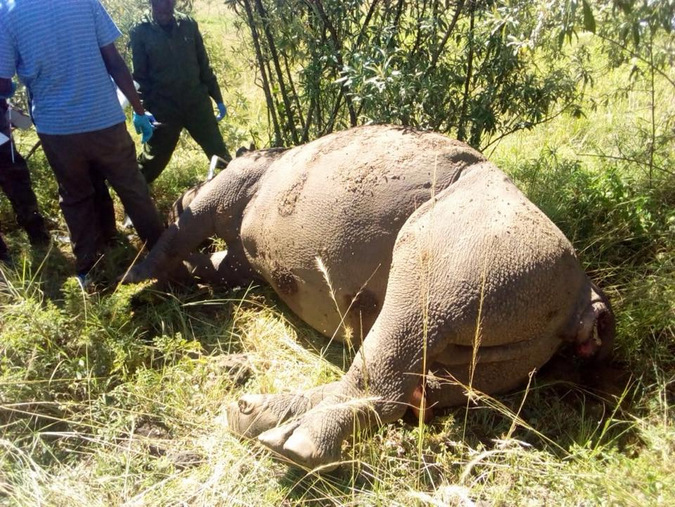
x,y
247,416
297,445
134,275
277,437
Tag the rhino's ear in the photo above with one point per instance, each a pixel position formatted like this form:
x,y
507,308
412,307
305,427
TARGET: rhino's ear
x,y
243,149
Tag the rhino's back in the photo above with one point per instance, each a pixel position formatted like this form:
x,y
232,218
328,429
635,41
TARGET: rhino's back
x,y
342,199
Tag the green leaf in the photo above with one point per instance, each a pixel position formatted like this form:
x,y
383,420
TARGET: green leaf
x,y
589,20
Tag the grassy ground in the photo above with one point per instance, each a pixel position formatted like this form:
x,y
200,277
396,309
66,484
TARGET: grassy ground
x,y
116,396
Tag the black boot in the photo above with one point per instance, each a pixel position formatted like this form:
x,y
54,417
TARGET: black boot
x,y
36,230
4,253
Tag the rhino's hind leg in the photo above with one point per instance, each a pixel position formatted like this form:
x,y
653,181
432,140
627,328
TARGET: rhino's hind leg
x,y
228,268
377,389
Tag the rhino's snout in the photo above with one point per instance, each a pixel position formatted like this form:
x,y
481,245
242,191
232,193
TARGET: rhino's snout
x,y
595,337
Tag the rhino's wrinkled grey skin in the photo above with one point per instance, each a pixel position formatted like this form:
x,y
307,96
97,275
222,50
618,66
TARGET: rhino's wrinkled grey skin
x,y
430,250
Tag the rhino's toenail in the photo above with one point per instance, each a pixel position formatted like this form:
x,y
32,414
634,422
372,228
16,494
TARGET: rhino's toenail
x,y
245,407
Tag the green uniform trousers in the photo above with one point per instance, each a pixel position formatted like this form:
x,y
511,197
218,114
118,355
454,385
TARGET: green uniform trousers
x,y
201,124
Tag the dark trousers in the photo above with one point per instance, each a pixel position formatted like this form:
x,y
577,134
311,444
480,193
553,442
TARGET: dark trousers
x,y
82,163
16,184
3,249
200,123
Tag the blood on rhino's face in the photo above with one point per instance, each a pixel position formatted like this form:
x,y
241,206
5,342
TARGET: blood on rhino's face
x,y
162,11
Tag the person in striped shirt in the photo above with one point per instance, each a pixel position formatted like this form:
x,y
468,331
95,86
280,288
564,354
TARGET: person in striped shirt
x,y
64,52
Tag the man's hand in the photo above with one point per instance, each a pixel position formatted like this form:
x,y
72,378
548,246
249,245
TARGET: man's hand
x,y
222,111
144,124
10,92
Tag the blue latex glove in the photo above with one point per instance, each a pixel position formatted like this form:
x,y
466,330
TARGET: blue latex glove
x,y
12,89
144,125
222,111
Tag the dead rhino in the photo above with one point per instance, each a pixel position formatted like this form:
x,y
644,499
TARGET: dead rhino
x,y
432,254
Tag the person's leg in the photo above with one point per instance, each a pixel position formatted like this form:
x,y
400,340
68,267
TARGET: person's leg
x,y
4,252
115,154
158,150
15,182
67,156
203,127
104,206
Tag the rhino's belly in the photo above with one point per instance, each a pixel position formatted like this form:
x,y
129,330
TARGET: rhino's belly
x,y
325,249
337,287
329,265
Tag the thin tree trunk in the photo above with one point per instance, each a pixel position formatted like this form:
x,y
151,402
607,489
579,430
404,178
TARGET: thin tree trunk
x,y
448,33
294,93
366,22
278,141
338,56
461,129
290,119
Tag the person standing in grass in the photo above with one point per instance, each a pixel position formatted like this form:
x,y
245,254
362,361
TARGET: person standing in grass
x,y
64,52
15,183
177,84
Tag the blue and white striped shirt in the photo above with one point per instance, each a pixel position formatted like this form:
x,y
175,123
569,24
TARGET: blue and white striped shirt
x,y
54,48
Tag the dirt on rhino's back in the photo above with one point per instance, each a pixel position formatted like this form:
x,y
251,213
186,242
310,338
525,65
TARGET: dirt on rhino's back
x,y
342,199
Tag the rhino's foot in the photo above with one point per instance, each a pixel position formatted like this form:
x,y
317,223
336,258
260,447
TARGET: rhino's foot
x,y
136,274
256,413
300,444
314,440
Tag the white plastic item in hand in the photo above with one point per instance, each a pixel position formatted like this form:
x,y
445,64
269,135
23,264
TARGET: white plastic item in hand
x,y
121,98
212,167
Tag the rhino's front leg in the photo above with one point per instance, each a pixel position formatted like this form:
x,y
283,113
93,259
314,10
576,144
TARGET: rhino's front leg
x,y
377,389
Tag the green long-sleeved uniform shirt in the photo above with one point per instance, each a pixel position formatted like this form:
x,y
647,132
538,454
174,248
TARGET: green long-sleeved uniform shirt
x,y
172,67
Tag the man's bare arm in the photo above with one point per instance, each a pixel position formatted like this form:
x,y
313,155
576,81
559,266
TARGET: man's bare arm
x,y
119,71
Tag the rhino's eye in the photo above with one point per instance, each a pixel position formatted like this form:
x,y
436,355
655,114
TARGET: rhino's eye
x,y
245,407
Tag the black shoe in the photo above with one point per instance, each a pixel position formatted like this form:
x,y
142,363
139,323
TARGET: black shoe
x,y
37,232
221,163
216,163
6,259
4,252
40,238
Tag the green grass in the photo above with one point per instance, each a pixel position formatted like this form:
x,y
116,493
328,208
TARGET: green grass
x,y
117,396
